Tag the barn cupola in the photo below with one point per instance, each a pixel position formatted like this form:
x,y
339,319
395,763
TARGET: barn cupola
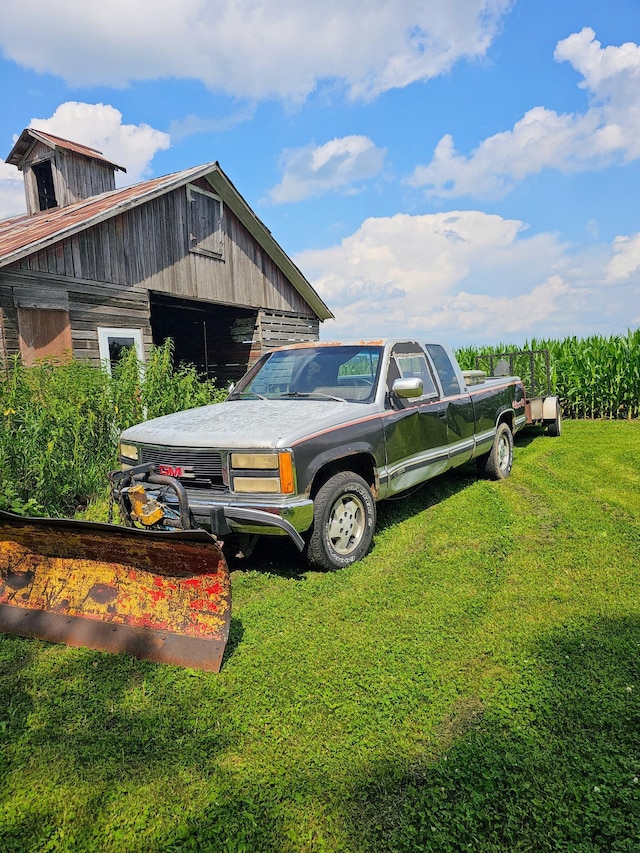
x,y
58,172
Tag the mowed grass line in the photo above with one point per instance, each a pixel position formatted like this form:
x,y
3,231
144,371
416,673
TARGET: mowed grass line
x,y
471,685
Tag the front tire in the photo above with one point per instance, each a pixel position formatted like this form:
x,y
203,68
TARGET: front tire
x,y
344,518
496,465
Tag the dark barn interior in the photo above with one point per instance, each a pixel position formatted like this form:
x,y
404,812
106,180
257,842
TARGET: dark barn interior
x,y
217,339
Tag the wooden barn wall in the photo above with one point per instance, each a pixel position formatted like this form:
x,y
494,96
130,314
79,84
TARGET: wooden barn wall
x,y
82,177
74,177
279,329
90,304
147,247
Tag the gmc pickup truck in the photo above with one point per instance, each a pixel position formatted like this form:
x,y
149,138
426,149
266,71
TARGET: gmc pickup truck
x,y
313,436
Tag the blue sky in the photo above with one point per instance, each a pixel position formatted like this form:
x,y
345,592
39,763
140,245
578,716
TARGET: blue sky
x,y
465,171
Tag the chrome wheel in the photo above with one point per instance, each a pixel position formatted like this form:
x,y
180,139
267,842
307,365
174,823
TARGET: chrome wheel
x,y
346,524
504,453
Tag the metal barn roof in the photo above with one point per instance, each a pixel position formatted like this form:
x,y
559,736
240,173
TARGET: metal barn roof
x,y
24,235
31,135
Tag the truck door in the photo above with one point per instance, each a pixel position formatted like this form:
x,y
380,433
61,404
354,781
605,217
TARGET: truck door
x,y
460,412
415,429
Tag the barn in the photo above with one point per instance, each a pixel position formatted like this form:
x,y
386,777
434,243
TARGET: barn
x,y
90,269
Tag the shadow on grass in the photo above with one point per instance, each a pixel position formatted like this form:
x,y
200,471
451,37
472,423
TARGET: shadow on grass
x,y
87,729
552,763
555,765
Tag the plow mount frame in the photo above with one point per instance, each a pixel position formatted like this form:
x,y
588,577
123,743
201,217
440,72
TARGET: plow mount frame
x,y
147,473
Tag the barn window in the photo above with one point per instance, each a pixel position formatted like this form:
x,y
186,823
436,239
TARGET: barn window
x,y
44,183
43,333
114,343
205,222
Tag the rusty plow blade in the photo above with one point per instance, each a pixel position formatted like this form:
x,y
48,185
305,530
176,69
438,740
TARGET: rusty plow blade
x,y
164,597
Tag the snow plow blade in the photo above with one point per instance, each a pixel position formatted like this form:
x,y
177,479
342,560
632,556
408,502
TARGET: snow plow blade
x,y
159,596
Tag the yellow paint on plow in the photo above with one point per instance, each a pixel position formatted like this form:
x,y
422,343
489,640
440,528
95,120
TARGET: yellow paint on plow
x,y
179,587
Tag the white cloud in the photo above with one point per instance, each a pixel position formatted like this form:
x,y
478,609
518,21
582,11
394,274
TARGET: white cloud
x,y
182,128
465,277
99,126
625,259
316,169
251,48
12,198
608,132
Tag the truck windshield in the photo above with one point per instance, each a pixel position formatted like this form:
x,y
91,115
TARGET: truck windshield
x,y
343,373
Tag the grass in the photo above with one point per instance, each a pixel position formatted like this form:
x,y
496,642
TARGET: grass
x,y
473,684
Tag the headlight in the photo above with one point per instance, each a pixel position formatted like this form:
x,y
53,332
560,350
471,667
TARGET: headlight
x,y
256,484
251,480
259,461
128,452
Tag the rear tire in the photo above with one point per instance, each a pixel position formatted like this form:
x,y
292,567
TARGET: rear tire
x,y
554,428
344,518
496,465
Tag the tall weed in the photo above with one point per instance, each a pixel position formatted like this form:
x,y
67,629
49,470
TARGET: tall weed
x,y
59,424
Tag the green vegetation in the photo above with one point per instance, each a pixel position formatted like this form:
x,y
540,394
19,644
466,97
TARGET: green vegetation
x,y
59,425
471,685
594,377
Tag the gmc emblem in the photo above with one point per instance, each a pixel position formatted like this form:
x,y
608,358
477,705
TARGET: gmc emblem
x,y
176,471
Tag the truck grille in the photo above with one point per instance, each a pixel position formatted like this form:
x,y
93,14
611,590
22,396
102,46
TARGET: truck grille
x,y
206,464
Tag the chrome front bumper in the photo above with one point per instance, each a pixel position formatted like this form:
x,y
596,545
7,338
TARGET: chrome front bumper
x,y
225,514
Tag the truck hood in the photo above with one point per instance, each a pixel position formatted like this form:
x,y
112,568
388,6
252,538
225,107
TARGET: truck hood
x,y
246,423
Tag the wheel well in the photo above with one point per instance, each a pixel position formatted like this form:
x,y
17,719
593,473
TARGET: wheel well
x,y
508,419
359,463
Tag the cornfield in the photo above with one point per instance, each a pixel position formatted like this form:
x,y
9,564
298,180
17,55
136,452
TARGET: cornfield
x,y
594,377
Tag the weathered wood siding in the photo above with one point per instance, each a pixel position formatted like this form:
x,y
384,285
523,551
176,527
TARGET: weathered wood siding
x,y
280,329
74,177
90,304
148,247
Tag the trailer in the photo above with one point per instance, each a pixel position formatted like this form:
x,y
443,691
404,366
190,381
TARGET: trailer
x,y
534,367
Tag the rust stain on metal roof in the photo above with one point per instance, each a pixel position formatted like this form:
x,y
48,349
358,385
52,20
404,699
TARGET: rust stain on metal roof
x,y
22,235
31,135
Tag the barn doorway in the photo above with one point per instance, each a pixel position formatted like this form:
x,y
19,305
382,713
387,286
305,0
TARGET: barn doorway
x,y
217,339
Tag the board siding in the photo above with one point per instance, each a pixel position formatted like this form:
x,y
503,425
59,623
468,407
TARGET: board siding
x,y
90,304
108,270
148,247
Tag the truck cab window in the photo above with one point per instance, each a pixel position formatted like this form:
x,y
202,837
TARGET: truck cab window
x,y
414,365
447,374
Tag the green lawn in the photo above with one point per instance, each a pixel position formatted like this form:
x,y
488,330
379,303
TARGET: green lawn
x,y
473,684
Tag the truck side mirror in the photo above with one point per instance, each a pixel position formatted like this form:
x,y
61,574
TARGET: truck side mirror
x,y
409,387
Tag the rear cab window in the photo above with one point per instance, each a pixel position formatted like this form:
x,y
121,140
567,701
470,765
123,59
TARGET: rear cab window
x,y
446,371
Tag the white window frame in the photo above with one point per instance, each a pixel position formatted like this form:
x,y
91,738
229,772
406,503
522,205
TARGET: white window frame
x,y
104,333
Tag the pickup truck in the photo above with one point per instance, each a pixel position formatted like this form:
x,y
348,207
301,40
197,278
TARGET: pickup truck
x,y
312,437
